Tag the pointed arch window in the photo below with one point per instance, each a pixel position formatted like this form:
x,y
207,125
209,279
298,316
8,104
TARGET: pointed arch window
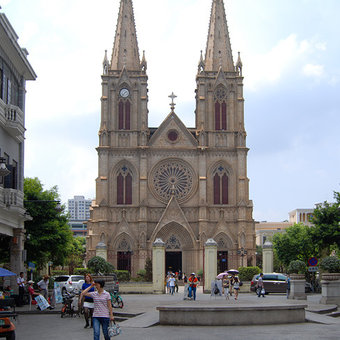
x,y
124,186
220,108
220,186
124,112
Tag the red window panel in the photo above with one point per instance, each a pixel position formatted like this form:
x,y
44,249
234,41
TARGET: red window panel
x,y
217,116
224,116
121,115
217,189
225,189
120,189
128,189
127,115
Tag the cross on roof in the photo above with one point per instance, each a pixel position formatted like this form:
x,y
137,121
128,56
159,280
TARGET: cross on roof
x,y
172,104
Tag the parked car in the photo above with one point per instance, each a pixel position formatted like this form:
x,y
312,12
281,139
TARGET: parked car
x,y
273,283
70,282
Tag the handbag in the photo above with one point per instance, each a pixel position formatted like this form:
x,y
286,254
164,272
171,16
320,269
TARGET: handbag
x,y
263,291
113,329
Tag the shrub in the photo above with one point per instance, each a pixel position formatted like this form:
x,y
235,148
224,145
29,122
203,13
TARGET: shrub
x,y
297,267
141,273
58,272
247,273
330,264
122,275
100,266
81,271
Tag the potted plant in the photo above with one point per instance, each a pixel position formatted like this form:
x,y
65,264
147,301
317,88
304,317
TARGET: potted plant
x,y
297,270
330,282
330,266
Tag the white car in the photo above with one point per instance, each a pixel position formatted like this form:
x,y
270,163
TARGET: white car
x,y
70,283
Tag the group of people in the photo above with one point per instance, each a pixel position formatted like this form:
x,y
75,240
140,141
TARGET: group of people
x,y
231,284
190,284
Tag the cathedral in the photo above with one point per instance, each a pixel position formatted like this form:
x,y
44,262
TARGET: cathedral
x,y
178,184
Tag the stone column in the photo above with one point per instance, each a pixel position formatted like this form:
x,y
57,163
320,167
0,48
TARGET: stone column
x,y
268,257
210,264
101,250
297,287
16,256
158,266
330,284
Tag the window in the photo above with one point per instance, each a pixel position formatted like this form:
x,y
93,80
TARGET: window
x,y
220,108
124,108
220,185
124,186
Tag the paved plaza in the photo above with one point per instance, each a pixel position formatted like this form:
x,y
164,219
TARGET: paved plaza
x,y
143,326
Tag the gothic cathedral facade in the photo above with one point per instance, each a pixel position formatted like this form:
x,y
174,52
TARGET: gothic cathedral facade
x,y
182,185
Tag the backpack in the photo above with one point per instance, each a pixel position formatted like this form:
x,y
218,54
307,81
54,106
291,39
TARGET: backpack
x,y
216,290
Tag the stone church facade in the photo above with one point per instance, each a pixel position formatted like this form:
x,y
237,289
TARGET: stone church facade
x,y
183,185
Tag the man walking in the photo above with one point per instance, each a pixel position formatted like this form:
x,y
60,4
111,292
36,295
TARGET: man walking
x,y
260,286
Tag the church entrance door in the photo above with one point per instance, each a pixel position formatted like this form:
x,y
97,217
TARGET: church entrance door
x,y
124,260
173,261
222,261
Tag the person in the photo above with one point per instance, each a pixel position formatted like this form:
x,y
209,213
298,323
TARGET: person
x,y
31,290
102,312
172,282
226,286
193,282
176,283
232,281
288,286
186,286
236,286
260,286
88,301
43,286
21,283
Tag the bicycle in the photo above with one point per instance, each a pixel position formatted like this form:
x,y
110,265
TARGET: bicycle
x,y
116,300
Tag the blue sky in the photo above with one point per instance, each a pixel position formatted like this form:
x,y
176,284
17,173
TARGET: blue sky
x,y
290,52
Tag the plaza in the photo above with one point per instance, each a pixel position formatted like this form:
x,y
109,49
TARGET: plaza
x,y
145,325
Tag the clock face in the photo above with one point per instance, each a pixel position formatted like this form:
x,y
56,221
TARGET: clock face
x,y
124,93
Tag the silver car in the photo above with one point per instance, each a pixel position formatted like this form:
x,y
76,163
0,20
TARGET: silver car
x,y
70,283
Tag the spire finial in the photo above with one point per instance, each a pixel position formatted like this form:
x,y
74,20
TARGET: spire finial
x,y
172,104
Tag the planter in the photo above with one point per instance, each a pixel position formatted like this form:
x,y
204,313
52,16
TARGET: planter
x,y
297,277
330,284
297,287
330,276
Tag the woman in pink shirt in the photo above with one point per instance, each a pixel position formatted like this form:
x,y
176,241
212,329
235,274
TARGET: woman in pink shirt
x,y
102,312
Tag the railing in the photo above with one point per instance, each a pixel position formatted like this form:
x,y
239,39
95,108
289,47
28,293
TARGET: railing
x,y
12,113
12,197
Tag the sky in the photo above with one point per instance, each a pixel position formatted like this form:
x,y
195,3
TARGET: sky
x,y
290,52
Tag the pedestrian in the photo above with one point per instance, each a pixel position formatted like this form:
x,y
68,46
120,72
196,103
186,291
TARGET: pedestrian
x,y
88,301
172,282
193,283
102,312
176,283
260,286
21,283
288,286
43,286
226,286
186,286
31,290
236,287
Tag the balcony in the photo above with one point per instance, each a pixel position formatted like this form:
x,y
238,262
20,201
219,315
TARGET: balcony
x,y
11,198
12,119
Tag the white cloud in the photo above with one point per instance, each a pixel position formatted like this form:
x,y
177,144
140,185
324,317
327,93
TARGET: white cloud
x,y
269,68
311,70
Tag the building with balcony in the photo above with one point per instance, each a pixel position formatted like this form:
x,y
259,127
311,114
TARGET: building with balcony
x,y
15,70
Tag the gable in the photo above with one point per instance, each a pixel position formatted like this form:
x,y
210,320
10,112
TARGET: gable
x,y
172,133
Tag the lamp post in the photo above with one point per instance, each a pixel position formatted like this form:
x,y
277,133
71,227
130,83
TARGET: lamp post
x,y
3,169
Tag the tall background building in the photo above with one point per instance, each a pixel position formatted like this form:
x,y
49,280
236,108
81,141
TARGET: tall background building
x,y
181,184
15,70
79,210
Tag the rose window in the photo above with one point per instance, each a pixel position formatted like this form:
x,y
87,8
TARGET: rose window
x,y
172,177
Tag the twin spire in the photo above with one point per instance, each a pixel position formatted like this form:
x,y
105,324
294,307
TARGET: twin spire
x,y
125,51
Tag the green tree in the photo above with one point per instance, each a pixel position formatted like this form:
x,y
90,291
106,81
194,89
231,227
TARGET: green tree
x,y
295,244
326,226
100,266
49,237
77,253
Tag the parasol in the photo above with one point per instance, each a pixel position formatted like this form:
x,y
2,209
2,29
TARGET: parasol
x,y
5,272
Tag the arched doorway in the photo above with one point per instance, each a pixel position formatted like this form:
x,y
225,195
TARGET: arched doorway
x,y
124,255
223,244
173,254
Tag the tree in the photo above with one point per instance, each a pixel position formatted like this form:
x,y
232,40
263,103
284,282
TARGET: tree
x,y
326,226
77,253
295,244
100,266
49,237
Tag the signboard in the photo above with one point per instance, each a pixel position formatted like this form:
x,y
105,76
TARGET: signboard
x,y
31,266
313,269
313,261
57,293
41,302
